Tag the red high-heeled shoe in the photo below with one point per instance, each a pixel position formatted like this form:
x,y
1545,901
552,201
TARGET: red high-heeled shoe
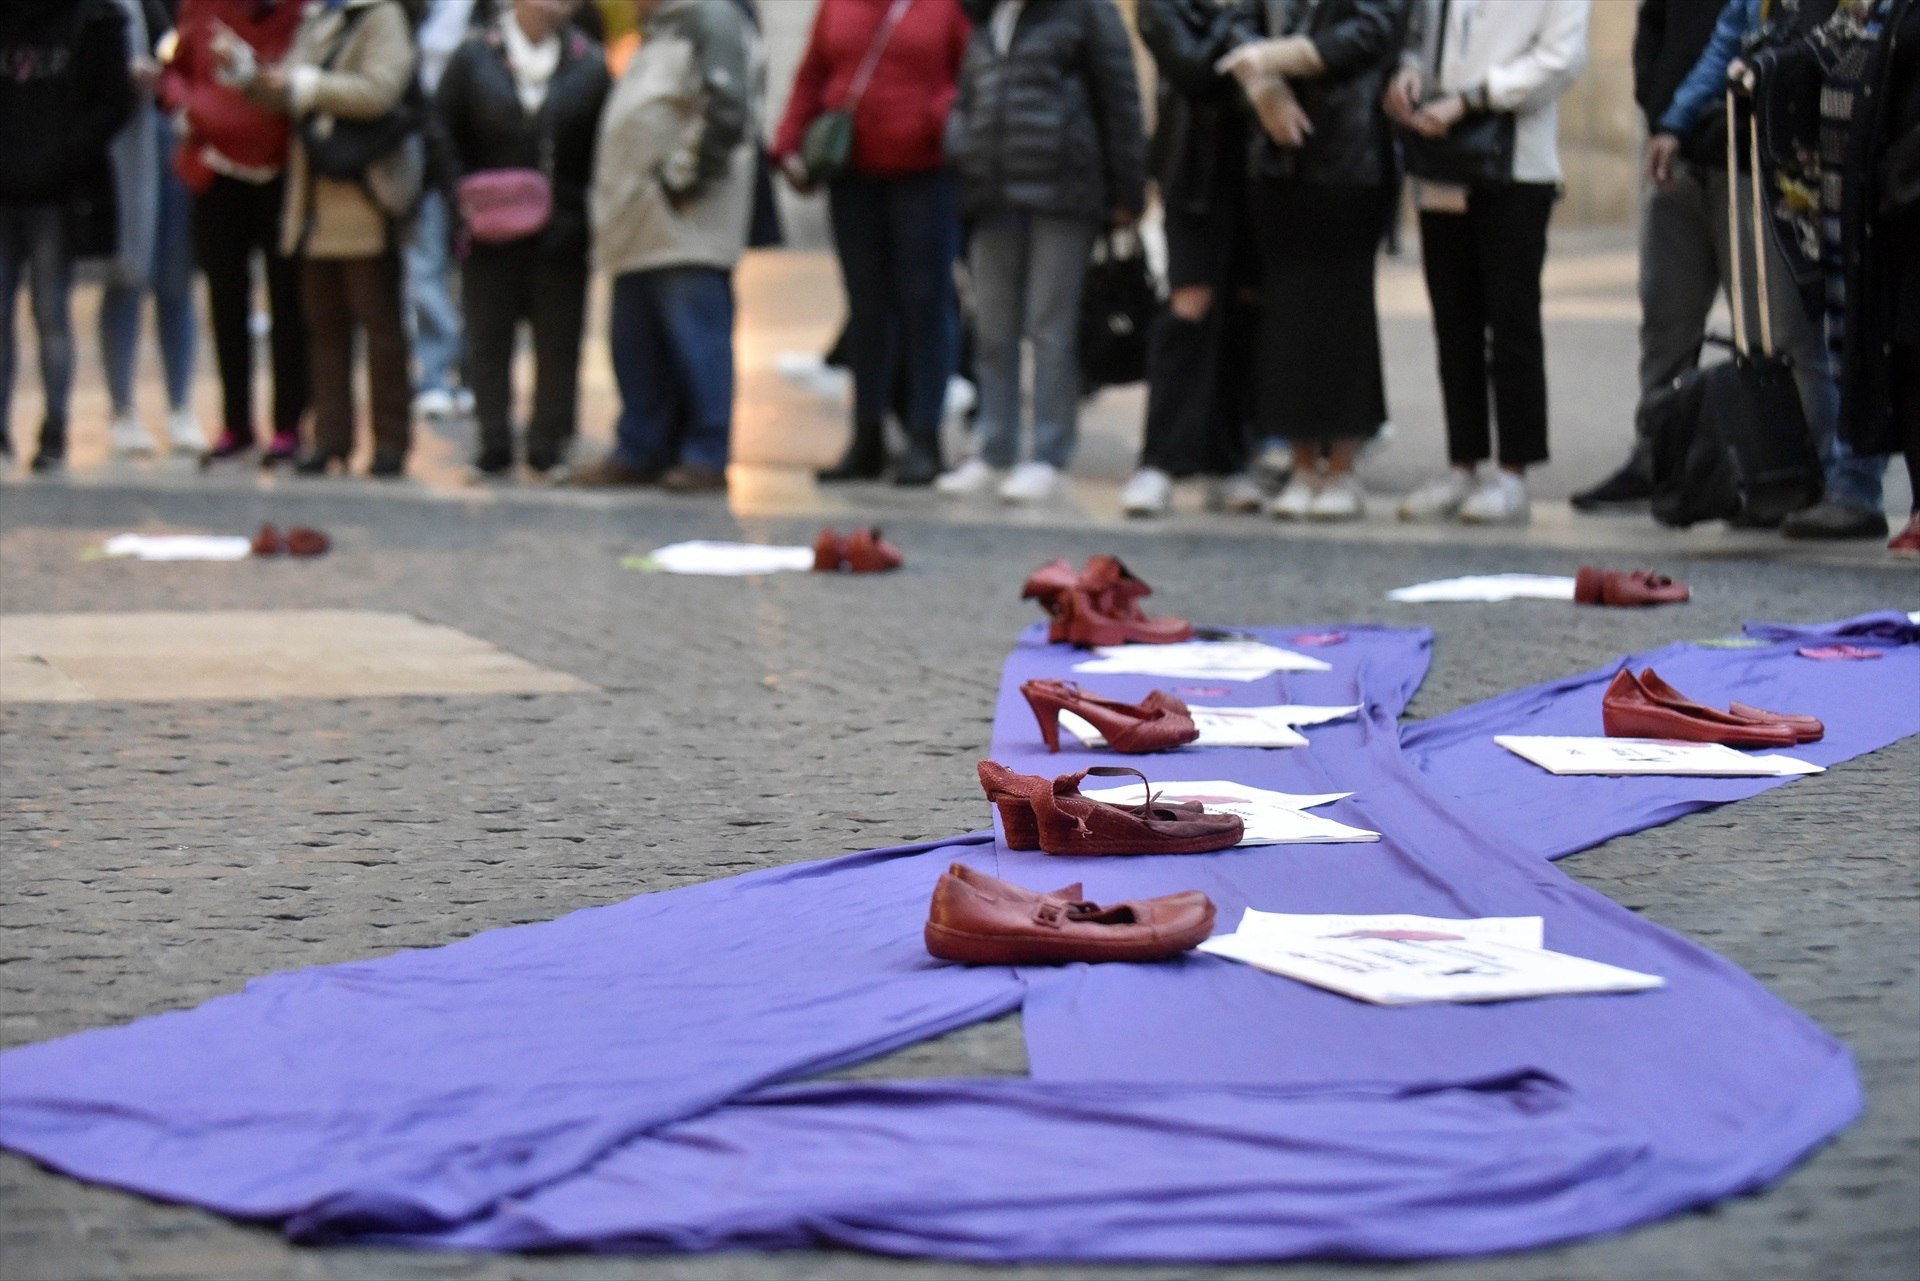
x,y
1012,794
1074,826
1151,726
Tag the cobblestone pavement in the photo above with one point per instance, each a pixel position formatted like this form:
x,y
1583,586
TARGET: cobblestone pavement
x,y
159,854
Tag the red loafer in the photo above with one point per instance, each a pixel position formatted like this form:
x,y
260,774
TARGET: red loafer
x,y
868,552
999,924
268,542
1595,586
1629,710
829,552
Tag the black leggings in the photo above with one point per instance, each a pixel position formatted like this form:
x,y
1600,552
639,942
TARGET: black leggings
x,y
231,220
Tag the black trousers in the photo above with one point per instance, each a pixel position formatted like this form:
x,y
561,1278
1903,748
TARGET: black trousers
x,y
1198,393
1483,278
500,286
232,220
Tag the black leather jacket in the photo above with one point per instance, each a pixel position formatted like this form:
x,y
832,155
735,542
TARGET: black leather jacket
x,y
1352,142
1053,125
1201,124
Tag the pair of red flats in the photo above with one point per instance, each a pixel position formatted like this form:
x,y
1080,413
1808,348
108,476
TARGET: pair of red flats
x,y
1645,706
978,919
297,541
864,551
1099,605
1050,814
1157,723
1596,586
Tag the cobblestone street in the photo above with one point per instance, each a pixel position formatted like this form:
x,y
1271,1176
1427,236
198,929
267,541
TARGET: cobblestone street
x,y
160,853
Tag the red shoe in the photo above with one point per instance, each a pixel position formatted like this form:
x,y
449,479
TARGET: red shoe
x,y
829,552
868,552
1000,924
1628,710
1001,889
1081,622
1012,794
1907,541
230,444
1049,583
268,542
1594,586
1806,729
1073,826
302,541
1157,725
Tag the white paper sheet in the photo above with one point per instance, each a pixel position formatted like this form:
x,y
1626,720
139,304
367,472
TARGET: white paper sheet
x,y
1201,660
1234,726
1271,818
1516,931
1623,756
728,559
179,546
1485,587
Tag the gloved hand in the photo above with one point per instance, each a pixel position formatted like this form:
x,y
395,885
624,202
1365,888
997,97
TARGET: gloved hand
x,y
1290,56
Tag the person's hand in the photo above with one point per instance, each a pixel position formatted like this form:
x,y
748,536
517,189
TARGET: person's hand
x,y
144,72
271,84
1281,115
1740,75
794,170
1662,150
1440,115
1291,56
1403,96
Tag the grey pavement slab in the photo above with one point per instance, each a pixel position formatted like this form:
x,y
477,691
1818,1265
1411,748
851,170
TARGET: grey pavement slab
x,y
157,854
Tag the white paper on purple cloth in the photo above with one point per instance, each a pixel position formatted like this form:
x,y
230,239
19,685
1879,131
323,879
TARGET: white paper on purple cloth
x,y
1233,726
1200,660
1271,818
1567,754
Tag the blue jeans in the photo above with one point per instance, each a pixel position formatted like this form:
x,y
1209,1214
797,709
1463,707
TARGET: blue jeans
x,y
671,338
1027,272
437,339
170,280
897,239
33,249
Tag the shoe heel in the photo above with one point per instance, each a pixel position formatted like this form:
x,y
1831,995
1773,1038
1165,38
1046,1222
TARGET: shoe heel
x,y
1016,818
1046,711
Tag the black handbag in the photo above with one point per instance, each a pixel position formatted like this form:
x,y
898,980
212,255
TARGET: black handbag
x,y
345,149
1478,149
826,149
1117,305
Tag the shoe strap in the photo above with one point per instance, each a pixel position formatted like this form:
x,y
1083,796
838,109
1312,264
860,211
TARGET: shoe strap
x,y
1145,808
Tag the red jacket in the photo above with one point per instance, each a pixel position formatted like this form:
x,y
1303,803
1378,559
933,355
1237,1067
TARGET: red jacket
x,y
217,116
901,120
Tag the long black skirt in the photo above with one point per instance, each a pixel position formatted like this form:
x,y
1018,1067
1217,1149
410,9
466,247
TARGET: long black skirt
x,y
1319,345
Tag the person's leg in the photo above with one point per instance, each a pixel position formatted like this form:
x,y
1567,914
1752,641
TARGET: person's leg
x,y
924,235
330,336
1057,266
558,314
1680,273
289,347
13,270
50,278
172,278
494,284
375,296
224,234
1450,259
436,322
997,257
696,311
120,344
857,208
642,367
1512,245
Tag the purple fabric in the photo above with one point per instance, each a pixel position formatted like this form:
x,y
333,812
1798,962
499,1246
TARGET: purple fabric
x,y
611,1079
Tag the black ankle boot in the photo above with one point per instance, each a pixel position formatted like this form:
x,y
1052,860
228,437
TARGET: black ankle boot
x,y
865,459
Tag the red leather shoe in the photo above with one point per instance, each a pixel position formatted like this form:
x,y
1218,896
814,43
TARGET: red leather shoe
x,y
870,553
1595,586
1074,826
829,552
978,924
1049,582
1156,725
1081,622
1012,794
302,541
988,885
1806,729
268,542
1809,729
1629,710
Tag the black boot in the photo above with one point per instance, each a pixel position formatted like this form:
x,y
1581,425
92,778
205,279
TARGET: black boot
x,y
865,459
920,465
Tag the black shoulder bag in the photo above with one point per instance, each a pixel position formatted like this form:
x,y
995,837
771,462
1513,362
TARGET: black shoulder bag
x,y
345,149
1477,151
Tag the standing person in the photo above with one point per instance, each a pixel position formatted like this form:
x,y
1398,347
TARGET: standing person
x,y
351,60
671,205
232,157
1323,191
1198,353
156,252
895,65
525,93
437,340
1485,243
1046,139
64,93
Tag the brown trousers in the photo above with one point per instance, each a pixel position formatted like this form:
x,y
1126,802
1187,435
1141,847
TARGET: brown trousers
x,y
344,296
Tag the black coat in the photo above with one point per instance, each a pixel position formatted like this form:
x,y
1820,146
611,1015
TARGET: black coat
x,y
1352,140
1201,127
483,126
1053,126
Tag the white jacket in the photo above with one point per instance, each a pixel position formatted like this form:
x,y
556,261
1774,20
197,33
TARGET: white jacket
x,y
1526,52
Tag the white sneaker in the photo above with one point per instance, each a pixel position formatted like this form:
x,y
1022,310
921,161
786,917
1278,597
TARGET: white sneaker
x,y
1295,501
1030,482
129,436
184,433
1149,493
962,397
1338,498
1501,499
1239,492
1439,498
435,403
970,477
1275,459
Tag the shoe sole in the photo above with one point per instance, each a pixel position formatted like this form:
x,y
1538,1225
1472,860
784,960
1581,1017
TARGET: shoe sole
x,y
968,948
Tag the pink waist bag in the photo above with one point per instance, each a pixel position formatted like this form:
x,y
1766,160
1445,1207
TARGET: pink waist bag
x,y
499,205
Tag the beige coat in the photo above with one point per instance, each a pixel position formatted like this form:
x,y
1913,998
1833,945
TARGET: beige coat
x,y
326,218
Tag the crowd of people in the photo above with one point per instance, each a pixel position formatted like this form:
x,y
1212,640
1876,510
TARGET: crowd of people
x,y
415,180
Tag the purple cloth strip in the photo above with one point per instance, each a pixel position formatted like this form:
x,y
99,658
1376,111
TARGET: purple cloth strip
x,y
607,1079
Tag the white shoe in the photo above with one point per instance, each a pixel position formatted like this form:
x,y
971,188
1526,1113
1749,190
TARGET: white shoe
x,y
129,437
435,403
463,402
1149,493
1275,459
961,398
1239,492
1293,502
1439,498
1338,498
1501,499
1030,482
970,477
184,433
